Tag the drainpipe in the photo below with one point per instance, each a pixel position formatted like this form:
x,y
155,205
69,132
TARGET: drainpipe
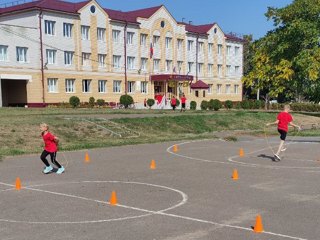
x,y
197,49
125,58
41,56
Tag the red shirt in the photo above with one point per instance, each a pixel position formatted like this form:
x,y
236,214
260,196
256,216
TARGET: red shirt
x,y
284,119
173,101
183,100
49,143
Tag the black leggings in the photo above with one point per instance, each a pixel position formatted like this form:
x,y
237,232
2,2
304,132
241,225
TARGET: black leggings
x,y
53,156
283,134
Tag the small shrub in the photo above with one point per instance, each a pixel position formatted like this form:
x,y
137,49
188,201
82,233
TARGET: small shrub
x,y
126,100
101,102
216,104
177,102
91,102
204,105
193,105
150,102
246,104
228,104
74,101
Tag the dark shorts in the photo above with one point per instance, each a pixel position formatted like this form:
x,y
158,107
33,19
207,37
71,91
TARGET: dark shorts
x,y
283,134
183,105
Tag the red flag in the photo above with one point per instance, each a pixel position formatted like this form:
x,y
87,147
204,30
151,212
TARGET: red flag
x,y
151,50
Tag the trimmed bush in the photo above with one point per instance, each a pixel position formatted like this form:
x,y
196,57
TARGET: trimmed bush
x,y
193,105
178,103
215,104
101,102
91,102
228,104
150,102
246,104
126,100
74,101
204,105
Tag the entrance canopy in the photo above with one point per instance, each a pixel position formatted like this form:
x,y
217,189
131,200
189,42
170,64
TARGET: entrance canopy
x,y
199,85
171,77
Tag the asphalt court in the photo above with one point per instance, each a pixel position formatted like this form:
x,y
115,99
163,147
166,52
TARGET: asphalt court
x,y
190,194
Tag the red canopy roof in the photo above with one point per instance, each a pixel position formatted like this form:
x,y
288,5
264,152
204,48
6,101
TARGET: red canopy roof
x,y
199,85
172,77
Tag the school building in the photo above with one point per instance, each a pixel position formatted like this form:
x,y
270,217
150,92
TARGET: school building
x,y
51,50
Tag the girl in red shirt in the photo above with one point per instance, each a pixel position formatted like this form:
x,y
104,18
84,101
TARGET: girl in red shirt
x,y
50,148
283,120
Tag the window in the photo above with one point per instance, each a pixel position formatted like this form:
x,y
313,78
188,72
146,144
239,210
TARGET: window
x,y
144,87
190,65
51,56
116,86
179,65
52,85
86,59
236,51
190,45
219,49
156,40
168,42
101,34
131,87
200,68
86,85
130,38
130,63
68,58
144,62
116,61
102,86
143,39
22,54
85,32
219,69
200,47
196,93
210,69
210,47
236,89
228,69
49,27
70,86
228,50
228,88
156,65
219,88
179,44
67,30
3,53
210,88
168,65
236,69
115,36
101,60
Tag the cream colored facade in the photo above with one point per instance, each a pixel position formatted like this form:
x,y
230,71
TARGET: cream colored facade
x,y
90,60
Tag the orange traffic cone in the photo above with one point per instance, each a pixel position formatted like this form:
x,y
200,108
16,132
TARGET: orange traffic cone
x,y
235,175
153,164
258,228
113,199
87,158
241,152
175,148
18,184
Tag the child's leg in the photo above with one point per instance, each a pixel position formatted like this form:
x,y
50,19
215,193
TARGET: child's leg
x,y
283,135
280,147
53,159
43,157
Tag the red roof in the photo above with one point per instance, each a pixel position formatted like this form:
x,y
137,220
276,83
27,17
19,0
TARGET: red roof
x,y
233,38
201,29
199,85
53,5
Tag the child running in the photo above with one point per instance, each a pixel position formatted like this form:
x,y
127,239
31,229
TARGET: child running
x,y
283,119
50,148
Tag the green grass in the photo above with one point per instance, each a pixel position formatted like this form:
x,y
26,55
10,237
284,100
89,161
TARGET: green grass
x,y
20,132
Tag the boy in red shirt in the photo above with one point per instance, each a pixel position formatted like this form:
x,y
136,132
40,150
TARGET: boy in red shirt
x,y
50,148
183,103
173,103
283,120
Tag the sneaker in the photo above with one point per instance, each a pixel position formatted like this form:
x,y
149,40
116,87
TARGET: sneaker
x,y
47,169
277,157
283,149
60,170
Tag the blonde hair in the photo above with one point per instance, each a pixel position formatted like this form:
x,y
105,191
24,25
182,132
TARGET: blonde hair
x,y
287,107
44,125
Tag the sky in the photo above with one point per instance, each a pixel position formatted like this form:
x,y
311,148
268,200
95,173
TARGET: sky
x,y
237,16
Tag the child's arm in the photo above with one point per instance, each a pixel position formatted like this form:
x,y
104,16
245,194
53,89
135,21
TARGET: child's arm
x,y
295,125
56,140
273,123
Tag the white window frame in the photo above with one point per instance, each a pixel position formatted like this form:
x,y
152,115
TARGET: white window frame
x,y
156,65
228,88
210,69
144,64
144,87
102,86
101,34
116,86
51,56
228,50
179,66
210,89
116,61
200,68
130,63
143,39
52,85
3,53
190,45
86,59
210,47
236,70
85,32
22,54
179,44
155,40
236,89
168,65
130,36
86,85
236,51
67,30
102,60
219,69
168,42
219,49
49,27
131,86
68,58
200,47
70,85
115,35
190,66
219,88
228,69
